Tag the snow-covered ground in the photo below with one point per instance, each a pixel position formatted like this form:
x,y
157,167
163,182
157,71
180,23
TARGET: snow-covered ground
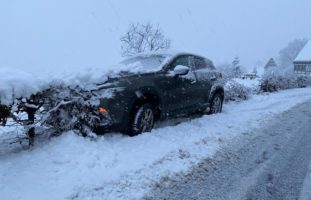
x,y
120,167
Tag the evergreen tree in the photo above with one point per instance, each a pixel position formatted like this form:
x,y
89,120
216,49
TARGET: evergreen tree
x,y
255,71
236,67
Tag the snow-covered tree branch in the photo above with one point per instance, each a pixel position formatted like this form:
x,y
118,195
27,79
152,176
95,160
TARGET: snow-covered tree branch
x,y
143,37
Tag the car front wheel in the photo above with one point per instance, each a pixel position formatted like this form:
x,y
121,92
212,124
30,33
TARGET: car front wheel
x,y
216,104
143,120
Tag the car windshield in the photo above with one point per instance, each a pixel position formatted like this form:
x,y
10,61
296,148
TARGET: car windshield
x,y
143,63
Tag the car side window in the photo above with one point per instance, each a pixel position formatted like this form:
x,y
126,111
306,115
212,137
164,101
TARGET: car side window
x,y
181,60
209,64
199,63
184,60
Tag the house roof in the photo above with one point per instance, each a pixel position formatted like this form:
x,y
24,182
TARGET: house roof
x,y
305,54
271,63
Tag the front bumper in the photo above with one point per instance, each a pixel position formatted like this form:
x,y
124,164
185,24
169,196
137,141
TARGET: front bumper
x,y
103,123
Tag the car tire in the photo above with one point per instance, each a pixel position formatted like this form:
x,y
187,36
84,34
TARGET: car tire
x,y
142,120
216,104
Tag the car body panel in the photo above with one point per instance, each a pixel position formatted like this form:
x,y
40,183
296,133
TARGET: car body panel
x,y
176,94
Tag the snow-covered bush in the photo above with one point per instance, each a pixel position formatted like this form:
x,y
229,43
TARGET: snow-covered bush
x,y
273,82
70,108
63,106
270,83
303,81
60,108
235,91
283,76
231,71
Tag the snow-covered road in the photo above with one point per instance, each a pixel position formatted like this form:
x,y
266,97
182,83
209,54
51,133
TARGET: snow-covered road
x,y
269,163
120,167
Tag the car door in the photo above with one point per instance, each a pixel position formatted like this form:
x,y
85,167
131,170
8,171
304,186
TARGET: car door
x,y
178,90
206,76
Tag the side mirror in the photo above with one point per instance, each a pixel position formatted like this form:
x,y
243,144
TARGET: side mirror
x,y
180,70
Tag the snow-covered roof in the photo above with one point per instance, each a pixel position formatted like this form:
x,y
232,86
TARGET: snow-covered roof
x,y
305,54
271,63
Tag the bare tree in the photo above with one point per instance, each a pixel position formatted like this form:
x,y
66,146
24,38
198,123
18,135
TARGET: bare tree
x,y
143,37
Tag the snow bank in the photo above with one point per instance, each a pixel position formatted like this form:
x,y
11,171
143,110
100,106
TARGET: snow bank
x,y
120,167
16,83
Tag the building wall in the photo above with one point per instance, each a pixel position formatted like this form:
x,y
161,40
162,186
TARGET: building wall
x,y
302,67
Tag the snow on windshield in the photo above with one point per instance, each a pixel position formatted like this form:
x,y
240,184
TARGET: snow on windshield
x,y
143,63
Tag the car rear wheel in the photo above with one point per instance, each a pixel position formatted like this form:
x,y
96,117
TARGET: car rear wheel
x,y
216,104
142,120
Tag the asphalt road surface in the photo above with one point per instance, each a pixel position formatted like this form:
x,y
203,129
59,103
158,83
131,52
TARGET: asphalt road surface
x,y
273,162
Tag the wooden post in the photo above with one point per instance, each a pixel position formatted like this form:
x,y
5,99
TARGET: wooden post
x,y
31,106
4,114
31,122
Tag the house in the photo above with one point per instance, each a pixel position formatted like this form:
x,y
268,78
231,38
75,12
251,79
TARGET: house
x,y
271,64
250,76
302,64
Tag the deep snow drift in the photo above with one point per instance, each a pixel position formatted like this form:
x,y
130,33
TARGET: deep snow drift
x,y
119,167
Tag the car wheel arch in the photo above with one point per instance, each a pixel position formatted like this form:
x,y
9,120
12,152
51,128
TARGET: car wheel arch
x,y
146,95
217,89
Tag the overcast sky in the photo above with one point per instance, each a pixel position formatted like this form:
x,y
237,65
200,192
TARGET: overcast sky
x,y
59,34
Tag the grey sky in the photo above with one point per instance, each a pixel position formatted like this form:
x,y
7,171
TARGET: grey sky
x,y
57,34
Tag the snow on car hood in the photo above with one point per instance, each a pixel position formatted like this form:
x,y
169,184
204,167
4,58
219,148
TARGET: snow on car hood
x,y
89,77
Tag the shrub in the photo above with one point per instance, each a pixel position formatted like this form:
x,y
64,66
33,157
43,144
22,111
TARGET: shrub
x,y
235,91
274,82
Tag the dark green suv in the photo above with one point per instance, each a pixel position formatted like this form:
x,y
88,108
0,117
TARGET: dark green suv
x,y
158,86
